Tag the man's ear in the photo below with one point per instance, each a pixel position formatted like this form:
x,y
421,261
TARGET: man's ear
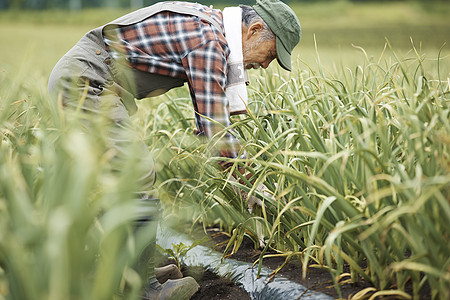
x,y
255,28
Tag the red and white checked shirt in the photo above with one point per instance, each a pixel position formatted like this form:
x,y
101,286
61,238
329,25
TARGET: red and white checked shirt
x,y
188,48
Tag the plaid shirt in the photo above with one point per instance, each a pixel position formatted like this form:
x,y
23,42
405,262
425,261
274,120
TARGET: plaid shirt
x,y
188,48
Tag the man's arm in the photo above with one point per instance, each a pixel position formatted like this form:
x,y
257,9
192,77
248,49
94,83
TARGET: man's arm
x,y
206,71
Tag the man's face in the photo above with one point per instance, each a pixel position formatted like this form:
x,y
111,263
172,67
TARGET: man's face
x,y
257,52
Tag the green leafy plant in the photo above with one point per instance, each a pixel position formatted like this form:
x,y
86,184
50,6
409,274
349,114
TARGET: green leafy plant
x,y
179,251
65,213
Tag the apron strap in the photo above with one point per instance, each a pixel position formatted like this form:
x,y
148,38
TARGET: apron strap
x,y
146,12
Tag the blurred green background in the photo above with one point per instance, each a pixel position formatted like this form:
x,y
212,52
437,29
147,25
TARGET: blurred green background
x,y
35,34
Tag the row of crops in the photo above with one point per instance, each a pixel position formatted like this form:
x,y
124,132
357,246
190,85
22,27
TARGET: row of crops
x,y
355,163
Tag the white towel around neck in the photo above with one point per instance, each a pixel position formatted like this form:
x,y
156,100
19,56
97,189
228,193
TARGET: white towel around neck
x,y
235,89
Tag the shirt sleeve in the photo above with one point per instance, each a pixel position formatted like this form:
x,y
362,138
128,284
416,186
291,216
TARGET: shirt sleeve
x,y
206,71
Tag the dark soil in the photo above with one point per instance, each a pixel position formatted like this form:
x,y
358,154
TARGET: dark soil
x,y
214,287
316,279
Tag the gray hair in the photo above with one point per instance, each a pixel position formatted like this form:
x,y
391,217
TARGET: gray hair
x,y
250,16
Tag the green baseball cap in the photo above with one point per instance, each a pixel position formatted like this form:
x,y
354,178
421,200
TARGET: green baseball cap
x,y
282,20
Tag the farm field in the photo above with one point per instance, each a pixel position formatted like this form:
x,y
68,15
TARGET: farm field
x,y
352,148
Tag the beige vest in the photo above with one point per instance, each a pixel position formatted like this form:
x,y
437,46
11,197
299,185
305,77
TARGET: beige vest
x,y
90,50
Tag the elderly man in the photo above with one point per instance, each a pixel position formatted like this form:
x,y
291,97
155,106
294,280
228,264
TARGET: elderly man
x,y
160,47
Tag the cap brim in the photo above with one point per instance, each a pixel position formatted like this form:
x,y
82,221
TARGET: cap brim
x,y
284,57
